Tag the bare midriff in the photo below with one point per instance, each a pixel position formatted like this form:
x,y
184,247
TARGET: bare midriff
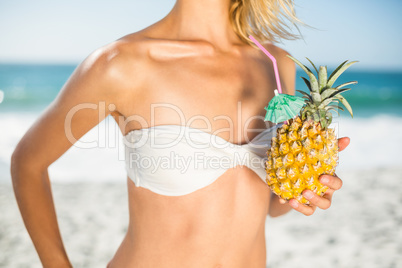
x,y
221,225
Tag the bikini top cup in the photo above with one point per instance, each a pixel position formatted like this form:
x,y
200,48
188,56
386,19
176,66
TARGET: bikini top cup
x,y
175,160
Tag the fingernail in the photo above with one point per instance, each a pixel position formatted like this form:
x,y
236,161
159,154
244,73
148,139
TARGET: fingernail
x,y
294,204
324,180
308,194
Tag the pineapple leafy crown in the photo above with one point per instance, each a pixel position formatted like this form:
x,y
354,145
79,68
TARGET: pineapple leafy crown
x,y
323,94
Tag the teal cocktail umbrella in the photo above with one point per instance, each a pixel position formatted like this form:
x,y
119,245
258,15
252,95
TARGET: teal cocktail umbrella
x,y
282,107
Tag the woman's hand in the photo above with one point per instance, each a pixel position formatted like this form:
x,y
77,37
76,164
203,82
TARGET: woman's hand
x,y
333,182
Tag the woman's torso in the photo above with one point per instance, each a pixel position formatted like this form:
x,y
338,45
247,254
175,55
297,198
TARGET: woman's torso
x,y
222,223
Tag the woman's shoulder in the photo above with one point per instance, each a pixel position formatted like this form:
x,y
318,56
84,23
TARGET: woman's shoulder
x,y
117,60
124,50
279,53
286,66
134,50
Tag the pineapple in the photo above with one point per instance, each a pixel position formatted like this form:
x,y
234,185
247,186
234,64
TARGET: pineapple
x,y
305,147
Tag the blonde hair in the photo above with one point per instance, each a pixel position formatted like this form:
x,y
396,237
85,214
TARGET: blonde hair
x,y
263,19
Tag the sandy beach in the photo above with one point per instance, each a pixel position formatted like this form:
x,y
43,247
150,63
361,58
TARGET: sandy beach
x,y
361,229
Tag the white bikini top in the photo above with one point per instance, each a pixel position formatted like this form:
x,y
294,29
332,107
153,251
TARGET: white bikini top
x,y
175,160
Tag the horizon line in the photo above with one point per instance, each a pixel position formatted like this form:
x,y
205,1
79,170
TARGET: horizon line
x,y
377,68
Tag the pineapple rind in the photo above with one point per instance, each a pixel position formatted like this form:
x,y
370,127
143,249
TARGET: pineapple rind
x,y
305,147
301,152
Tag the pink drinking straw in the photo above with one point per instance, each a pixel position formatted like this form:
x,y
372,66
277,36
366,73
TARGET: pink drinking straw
x,y
278,81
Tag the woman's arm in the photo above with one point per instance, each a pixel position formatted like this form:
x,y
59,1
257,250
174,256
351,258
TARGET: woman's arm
x,y
91,83
277,207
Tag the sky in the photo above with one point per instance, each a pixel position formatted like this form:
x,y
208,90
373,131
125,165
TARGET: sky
x,y
48,31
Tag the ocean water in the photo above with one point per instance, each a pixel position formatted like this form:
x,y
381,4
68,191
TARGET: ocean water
x,y
33,87
28,90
